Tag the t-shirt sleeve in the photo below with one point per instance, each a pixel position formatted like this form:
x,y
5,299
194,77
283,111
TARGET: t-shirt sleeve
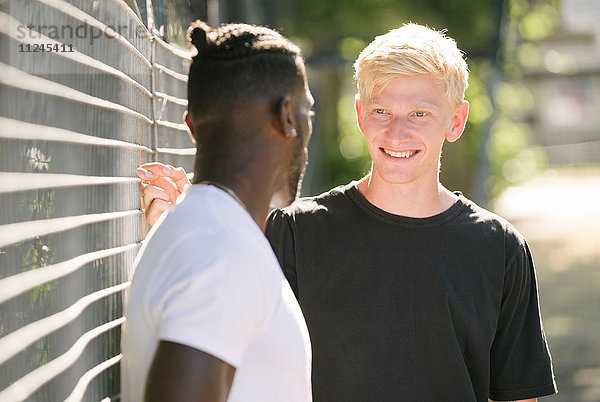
x,y
280,232
218,309
520,365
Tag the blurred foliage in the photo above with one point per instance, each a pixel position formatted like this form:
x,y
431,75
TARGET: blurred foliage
x,y
332,34
513,157
331,22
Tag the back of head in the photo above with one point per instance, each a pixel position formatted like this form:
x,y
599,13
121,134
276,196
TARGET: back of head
x,y
237,63
411,50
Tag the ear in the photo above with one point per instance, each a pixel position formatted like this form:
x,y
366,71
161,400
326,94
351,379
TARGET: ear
x,y
459,120
359,109
285,119
188,122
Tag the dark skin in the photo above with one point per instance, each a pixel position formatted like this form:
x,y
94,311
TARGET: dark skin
x,y
253,165
259,168
181,373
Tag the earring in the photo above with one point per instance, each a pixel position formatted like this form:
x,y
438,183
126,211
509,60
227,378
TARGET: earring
x,y
293,132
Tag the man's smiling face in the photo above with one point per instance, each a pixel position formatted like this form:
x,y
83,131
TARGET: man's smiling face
x,y
405,126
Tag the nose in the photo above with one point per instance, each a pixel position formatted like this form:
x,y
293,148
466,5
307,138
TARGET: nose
x,y
400,130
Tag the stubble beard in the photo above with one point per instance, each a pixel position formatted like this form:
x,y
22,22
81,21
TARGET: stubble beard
x,y
288,194
297,169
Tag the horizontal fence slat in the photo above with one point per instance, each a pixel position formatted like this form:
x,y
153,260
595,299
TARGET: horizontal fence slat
x,y
32,381
171,73
87,19
79,390
174,99
9,27
20,130
12,77
175,50
175,126
16,232
20,283
18,340
12,182
177,151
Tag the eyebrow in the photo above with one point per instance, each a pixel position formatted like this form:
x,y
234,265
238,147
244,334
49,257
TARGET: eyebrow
x,y
420,104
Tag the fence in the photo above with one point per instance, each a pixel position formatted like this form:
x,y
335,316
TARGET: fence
x,y
87,93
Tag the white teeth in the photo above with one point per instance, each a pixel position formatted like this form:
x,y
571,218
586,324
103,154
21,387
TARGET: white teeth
x,y
405,154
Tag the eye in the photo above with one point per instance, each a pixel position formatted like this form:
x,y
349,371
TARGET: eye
x,y
420,114
379,111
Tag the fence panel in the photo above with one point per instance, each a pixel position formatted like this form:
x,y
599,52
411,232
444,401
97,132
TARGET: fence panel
x,y
75,122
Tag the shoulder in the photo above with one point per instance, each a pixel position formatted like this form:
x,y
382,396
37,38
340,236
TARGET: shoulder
x,y
220,268
491,225
207,231
312,213
320,203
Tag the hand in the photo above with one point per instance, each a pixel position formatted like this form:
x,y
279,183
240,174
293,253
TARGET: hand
x,y
160,187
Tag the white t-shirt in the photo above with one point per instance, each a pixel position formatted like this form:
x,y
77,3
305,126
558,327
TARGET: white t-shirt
x,y
207,278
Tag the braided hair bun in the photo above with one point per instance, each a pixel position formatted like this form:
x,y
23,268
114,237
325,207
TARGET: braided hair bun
x,y
199,33
240,61
234,41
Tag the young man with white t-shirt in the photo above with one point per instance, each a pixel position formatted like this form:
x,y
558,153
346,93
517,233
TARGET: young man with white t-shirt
x,y
210,316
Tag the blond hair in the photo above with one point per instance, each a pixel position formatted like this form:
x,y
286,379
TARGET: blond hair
x,y
410,50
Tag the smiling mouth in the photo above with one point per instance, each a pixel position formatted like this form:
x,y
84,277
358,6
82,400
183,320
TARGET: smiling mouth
x,y
400,155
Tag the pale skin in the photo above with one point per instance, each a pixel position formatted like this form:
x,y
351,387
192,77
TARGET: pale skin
x,y
405,126
410,118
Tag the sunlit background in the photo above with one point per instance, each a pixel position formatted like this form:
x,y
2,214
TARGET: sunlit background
x,y
531,150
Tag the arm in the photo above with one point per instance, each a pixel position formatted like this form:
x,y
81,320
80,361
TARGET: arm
x,y
207,312
182,373
161,186
521,366
280,233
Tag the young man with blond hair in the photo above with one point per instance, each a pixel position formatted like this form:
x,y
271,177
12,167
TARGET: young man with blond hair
x,y
412,292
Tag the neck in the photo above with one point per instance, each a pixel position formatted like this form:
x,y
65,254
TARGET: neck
x,y
255,202
415,199
246,180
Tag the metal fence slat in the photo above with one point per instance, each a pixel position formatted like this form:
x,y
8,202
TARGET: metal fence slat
x,y
16,129
179,101
12,182
18,340
16,284
9,27
79,390
171,73
177,151
87,19
29,383
19,79
16,232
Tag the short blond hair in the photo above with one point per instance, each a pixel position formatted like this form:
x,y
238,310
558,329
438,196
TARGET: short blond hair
x,y
410,50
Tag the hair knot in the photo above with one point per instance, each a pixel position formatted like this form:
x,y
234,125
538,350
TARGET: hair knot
x,y
199,33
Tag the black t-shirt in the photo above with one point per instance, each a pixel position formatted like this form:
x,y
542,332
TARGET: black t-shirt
x,y
442,308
